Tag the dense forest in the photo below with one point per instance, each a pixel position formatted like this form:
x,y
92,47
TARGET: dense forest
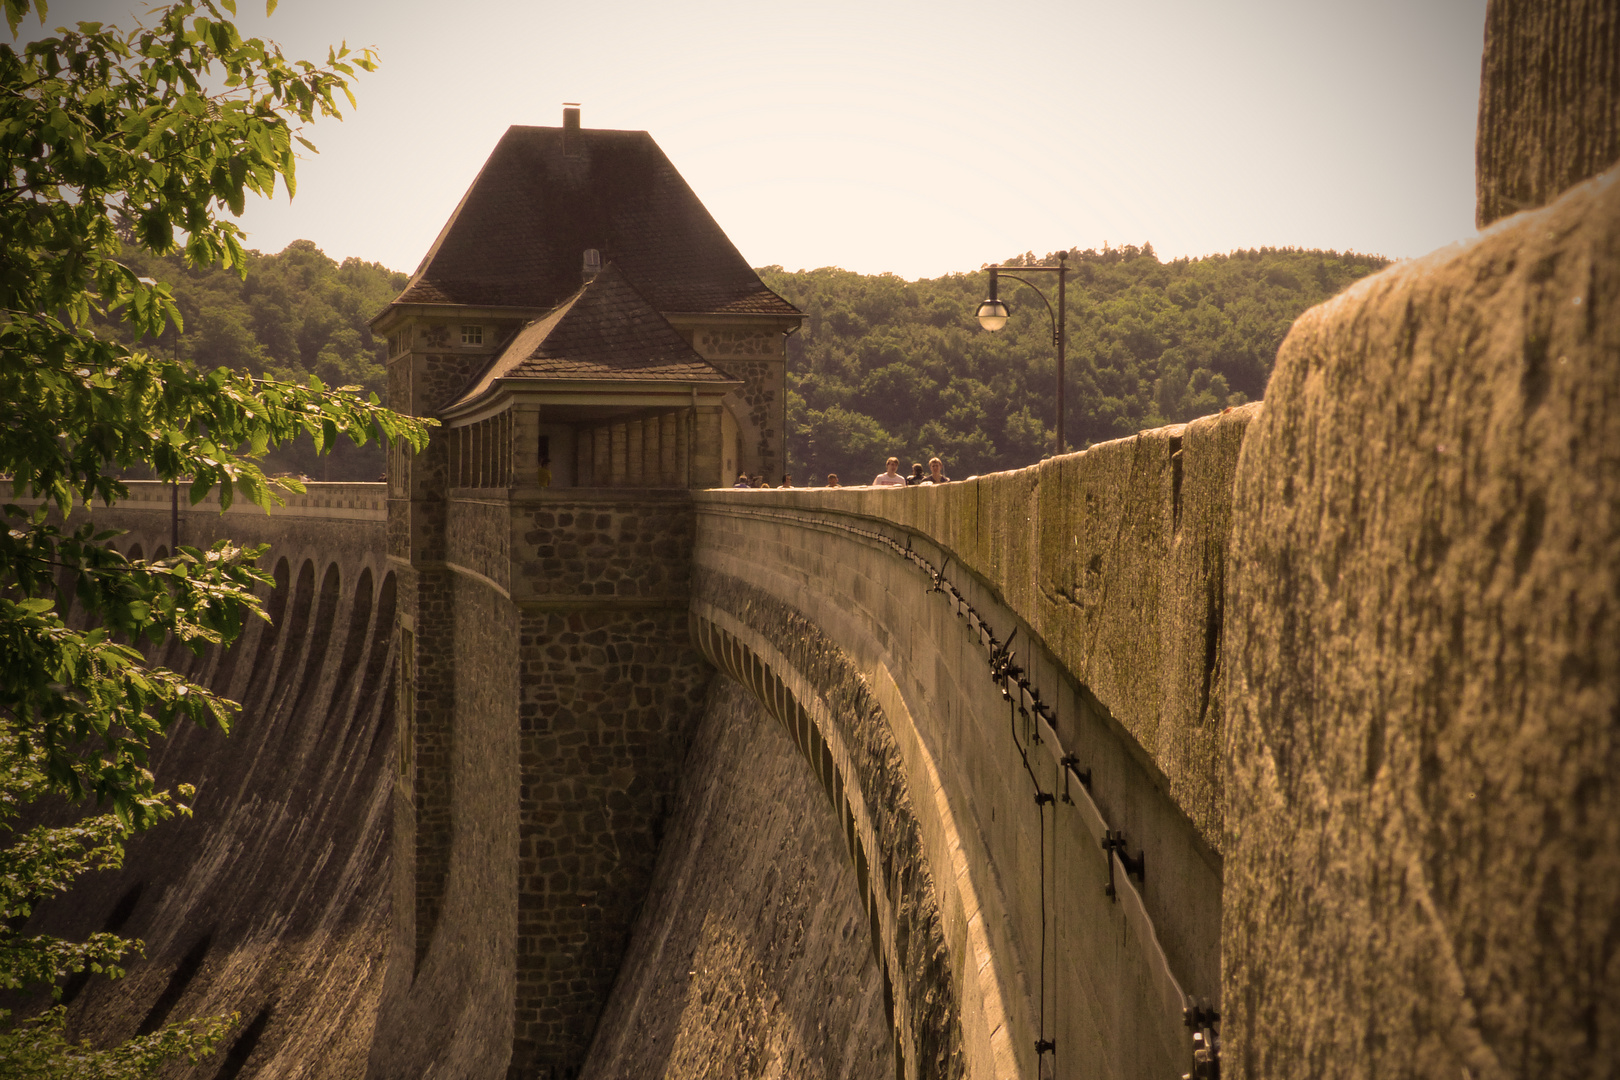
x,y
885,366
296,314
882,366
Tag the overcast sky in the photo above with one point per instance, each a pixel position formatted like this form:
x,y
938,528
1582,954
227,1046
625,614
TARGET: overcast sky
x,y
914,137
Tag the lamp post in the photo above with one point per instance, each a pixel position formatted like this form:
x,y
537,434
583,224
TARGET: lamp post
x,y
993,315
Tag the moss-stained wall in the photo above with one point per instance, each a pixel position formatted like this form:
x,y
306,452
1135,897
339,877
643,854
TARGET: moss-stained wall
x,y
1114,557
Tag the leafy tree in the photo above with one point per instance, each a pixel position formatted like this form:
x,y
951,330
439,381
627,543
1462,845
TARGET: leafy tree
x,y
290,315
148,132
886,366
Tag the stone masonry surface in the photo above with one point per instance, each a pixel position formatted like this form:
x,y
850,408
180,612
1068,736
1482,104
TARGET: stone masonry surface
x,y
608,703
751,956
603,548
899,863
480,538
1423,828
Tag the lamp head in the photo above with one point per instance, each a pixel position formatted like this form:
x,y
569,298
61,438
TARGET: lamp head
x,y
992,314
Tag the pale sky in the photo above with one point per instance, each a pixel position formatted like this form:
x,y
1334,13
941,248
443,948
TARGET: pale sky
x,y
911,137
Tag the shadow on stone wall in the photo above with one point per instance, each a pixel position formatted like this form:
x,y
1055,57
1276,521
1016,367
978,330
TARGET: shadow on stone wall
x,y
752,955
271,901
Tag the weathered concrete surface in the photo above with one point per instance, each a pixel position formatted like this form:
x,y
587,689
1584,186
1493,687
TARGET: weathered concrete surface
x,y
1549,101
1423,826
751,956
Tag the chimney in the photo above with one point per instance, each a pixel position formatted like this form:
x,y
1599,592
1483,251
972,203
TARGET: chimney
x,y
592,264
570,127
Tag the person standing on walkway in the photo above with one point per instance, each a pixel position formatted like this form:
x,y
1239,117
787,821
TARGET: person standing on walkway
x,y
890,476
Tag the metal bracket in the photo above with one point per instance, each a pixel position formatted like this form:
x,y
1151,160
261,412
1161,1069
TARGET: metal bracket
x,y
1071,764
1205,1024
1113,842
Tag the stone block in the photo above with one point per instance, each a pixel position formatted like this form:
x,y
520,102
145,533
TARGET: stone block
x,y
1423,823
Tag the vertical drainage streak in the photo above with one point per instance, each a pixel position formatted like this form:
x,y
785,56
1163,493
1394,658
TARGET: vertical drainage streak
x,y
315,658
348,669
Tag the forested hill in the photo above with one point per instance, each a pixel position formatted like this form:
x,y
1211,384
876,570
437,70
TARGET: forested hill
x,y
885,366
298,313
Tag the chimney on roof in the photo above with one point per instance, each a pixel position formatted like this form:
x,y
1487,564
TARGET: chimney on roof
x,y
570,126
592,264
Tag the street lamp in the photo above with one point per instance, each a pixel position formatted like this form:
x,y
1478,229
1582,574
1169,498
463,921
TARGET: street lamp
x,y
993,314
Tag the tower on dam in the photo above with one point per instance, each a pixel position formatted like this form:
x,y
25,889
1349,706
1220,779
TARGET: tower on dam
x,y
594,347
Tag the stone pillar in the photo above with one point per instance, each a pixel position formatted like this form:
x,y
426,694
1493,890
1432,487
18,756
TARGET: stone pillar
x,y
505,478
601,439
633,455
652,460
584,444
668,452
706,450
525,446
618,459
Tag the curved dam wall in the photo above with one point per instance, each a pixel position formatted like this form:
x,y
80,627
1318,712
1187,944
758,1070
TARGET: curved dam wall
x,y
978,797
1304,713
271,901
1342,669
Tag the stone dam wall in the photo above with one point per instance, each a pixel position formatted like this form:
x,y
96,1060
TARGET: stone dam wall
x,y
271,901
1334,679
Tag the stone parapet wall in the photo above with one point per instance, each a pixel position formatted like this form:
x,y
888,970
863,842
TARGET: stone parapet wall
x,y
348,502
1423,855
897,671
1114,557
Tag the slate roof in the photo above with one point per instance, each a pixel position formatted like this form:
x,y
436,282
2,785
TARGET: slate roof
x,y
520,232
607,331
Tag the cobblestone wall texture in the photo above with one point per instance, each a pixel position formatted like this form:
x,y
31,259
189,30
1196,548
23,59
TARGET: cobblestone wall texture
x,y
609,701
479,537
761,399
588,549
751,955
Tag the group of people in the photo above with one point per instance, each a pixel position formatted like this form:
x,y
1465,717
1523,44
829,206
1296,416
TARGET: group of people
x,y
889,477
